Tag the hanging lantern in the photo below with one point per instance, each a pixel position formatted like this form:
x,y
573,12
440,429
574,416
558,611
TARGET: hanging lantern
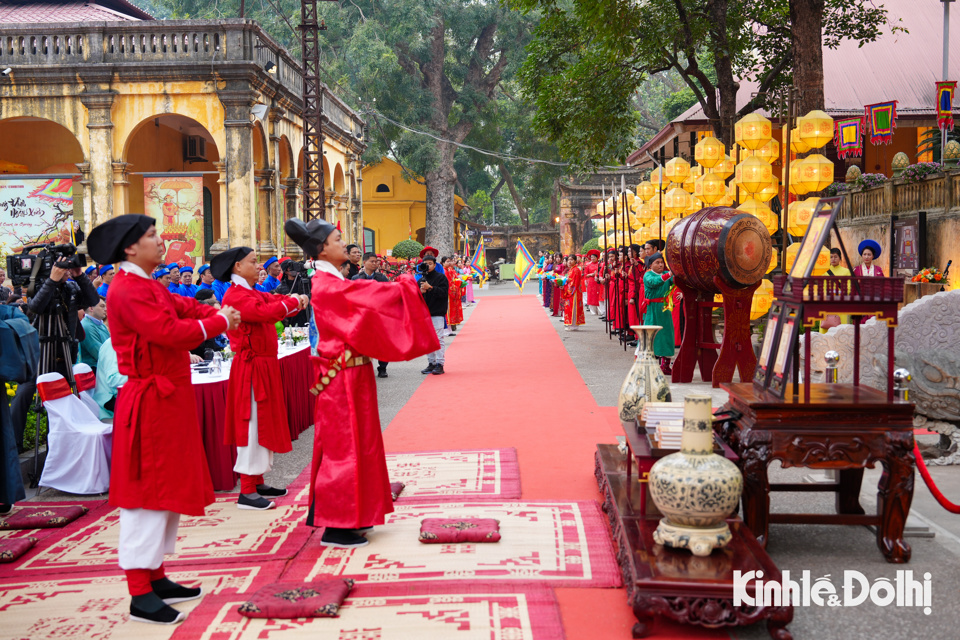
x,y
769,190
762,300
695,206
676,170
654,204
645,214
797,186
675,201
708,152
756,208
655,177
600,211
755,174
820,267
797,144
816,129
643,235
645,190
695,172
769,152
725,167
799,215
753,131
709,188
773,261
817,173
667,226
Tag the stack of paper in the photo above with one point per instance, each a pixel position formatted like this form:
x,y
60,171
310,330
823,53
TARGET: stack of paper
x,y
669,434
654,412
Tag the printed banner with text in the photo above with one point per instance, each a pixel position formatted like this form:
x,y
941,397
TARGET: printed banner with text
x,y
34,210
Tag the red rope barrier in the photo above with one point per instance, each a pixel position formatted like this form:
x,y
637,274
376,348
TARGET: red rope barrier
x,y
922,468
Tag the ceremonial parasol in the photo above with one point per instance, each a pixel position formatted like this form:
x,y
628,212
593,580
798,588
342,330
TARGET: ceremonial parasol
x,y
177,186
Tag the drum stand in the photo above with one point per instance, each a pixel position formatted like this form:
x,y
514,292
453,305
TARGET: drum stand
x,y
736,349
698,346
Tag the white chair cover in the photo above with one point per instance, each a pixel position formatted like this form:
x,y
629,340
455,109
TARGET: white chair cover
x,y
86,383
78,454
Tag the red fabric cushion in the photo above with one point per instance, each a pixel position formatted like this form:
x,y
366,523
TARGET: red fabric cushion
x,y
41,517
395,489
13,548
287,600
447,530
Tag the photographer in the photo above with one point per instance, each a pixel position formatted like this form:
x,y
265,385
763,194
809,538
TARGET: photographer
x,y
295,282
434,288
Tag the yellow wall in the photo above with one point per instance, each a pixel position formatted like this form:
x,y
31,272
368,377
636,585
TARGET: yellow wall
x,y
39,144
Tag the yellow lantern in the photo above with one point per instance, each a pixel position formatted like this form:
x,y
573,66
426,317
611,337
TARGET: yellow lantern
x,y
769,190
645,214
643,235
695,172
676,170
708,152
668,225
796,144
799,215
675,201
761,211
709,188
762,300
773,261
797,186
655,177
753,131
646,190
820,267
816,129
725,167
817,173
769,152
695,205
755,174
655,204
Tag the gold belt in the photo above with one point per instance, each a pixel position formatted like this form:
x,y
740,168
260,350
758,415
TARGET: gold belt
x,y
336,366
356,362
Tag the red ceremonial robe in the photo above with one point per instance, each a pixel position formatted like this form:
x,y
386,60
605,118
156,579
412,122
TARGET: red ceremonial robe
x,y
593,287
388,321
158,458
557,292
573,298
635,293
454,293
255,365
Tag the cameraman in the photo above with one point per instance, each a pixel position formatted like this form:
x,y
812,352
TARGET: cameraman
x,y
295,282
434,288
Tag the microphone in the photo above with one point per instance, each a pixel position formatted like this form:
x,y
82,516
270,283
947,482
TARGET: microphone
x,y
947,269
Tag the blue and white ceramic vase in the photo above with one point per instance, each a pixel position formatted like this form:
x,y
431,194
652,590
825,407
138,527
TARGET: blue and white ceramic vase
x,y
645,381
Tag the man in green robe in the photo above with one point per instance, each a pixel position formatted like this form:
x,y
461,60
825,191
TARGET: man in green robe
x,y
656,291
195,233
95,332
109,380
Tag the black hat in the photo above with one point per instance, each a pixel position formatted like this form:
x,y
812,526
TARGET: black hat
x,y
836,251
652,258
309,236
636,247
221,266
203,294
106,241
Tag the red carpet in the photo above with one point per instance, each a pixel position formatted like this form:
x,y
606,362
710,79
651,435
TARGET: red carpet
x,y
523,391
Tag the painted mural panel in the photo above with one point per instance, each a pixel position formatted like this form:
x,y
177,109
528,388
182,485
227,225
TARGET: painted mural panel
x,y
35,210
175,201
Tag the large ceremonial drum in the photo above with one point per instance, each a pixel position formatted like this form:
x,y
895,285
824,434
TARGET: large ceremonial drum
x,y
718,241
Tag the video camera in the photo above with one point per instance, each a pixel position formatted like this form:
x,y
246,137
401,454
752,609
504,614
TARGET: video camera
x,y
293,265
423,268
27,269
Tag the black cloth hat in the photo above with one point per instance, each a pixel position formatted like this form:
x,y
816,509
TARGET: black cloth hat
x,y
652,258
106,241
309,236
221,265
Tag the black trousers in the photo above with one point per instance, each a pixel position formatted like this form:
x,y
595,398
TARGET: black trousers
x,y
381,366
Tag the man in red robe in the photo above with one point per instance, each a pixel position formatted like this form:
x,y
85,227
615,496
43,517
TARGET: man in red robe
x,y
454,293
573,296
256,416
356,320
159,468
590,276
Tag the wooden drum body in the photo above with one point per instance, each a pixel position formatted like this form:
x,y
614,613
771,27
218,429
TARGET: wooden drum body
x,y
718,242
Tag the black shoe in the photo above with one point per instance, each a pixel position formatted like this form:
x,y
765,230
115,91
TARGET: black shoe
x,y
5,508
437,370
429,369
270,492
381,374
150,608
254,504
172,593
632,343
342,538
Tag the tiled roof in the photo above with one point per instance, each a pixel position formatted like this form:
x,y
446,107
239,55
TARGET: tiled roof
x,y
69,11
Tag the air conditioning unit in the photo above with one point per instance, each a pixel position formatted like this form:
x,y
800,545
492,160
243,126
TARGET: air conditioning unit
x,y
194,149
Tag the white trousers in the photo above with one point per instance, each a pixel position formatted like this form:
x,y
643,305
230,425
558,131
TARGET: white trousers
x,y
437,356
145,536
603,307
253,460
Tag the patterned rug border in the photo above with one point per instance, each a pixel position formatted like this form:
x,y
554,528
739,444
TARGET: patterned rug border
x,y
545,618
509,478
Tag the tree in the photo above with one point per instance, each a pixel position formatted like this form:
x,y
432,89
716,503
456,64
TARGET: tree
x,y
584,63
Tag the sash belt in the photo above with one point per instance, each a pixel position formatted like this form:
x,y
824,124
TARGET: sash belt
x,y
646,302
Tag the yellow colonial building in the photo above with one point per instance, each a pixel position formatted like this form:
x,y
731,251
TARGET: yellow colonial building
x,y
395,207
114,104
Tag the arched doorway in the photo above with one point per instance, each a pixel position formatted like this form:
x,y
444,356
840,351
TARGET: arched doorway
x,y
186,203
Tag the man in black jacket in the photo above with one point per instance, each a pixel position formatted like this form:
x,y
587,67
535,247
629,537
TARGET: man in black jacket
x,y
292,269
434,288
368,271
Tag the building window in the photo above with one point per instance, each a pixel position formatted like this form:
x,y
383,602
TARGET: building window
x,y
368,240
382,188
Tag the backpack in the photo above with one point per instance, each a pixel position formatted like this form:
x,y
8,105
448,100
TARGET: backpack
x,y
19,346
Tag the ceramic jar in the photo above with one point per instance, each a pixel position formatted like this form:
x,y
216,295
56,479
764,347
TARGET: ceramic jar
x,y
695,488
645,382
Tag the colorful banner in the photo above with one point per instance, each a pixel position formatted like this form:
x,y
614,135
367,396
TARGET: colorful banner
x,y
35,210
523,265
881,121
479,262
945,104
175,201
849,137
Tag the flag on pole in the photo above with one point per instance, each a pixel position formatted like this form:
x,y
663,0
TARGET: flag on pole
x,y
945,104
523,266
479,262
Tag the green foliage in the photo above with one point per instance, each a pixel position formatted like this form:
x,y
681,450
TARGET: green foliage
x,y
407,249
917,172
593,243
930,141
30,430
677,103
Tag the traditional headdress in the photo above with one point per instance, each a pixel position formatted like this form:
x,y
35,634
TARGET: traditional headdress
x,y
106,241
221,266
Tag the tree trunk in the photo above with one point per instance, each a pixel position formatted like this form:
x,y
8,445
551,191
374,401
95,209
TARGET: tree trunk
x,y
440,184
727,85
806,20
516,196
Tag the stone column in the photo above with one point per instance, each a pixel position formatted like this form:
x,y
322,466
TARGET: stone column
x,y
100,133
81,190
278,202
567,219
238,157
221,244
265,192
121,188
291,204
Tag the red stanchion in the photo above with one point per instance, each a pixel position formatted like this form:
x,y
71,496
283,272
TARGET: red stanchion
x,y
922,468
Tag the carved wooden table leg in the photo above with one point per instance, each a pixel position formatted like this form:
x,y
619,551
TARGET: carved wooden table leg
x,y
848,495
754,458
894,495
